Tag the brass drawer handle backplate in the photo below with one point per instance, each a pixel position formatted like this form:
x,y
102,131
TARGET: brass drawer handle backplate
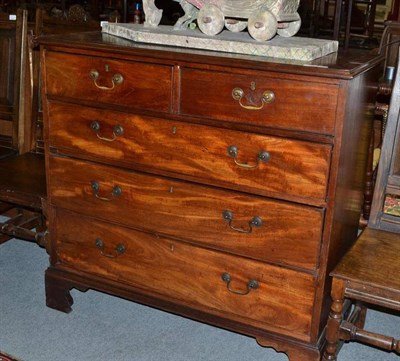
x,y
268,96
254,222
116,191
251,285
119,249
118,131
117,79
262,156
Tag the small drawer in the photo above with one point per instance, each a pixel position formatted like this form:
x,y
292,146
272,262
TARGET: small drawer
x,y
267,297
108,81
259,100
250,226
260,164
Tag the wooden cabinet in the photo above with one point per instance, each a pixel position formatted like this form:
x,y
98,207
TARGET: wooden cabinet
x,y
222,188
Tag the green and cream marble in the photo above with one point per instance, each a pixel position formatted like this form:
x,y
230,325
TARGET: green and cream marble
x,y
295,48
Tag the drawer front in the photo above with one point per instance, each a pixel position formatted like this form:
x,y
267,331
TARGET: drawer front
x,y
96,80
295,168
297,105
251,226
189,275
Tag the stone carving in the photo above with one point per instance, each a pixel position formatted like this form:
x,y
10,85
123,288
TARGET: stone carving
x,y
263,18
152,12
190,15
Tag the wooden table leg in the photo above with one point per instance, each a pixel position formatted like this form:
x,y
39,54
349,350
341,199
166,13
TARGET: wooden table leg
x,y
334,321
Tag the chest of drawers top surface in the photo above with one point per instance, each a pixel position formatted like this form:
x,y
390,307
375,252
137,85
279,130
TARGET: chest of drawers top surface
x,y
335,65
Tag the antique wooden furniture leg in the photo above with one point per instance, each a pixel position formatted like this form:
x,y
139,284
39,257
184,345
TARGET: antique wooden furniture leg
x,y
58,289
354,333
334,321
58,294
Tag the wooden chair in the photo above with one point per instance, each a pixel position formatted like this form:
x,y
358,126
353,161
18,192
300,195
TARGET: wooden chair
x,y
389,46
368,275
22,173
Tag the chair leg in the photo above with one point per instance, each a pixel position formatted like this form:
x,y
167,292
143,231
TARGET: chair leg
x,y
334,321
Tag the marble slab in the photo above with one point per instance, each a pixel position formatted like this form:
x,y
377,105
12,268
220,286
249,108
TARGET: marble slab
x,y
296,48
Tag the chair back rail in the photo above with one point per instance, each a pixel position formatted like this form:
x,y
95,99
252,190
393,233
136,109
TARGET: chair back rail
x,y
387,184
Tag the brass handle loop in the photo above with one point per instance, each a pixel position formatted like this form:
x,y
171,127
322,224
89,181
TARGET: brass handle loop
x,y
118,131
116,191
119,249
263,156
117,79
251,285
267,97
254,222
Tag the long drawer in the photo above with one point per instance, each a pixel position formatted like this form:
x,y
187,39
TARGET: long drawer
x,y
260,100
109,81
251,226
233,159
272,298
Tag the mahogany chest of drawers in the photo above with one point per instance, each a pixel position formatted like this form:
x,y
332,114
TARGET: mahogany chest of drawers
x,y
218,187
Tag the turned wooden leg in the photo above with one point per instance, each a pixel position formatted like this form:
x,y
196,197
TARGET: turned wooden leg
x,y
334,320
58,293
